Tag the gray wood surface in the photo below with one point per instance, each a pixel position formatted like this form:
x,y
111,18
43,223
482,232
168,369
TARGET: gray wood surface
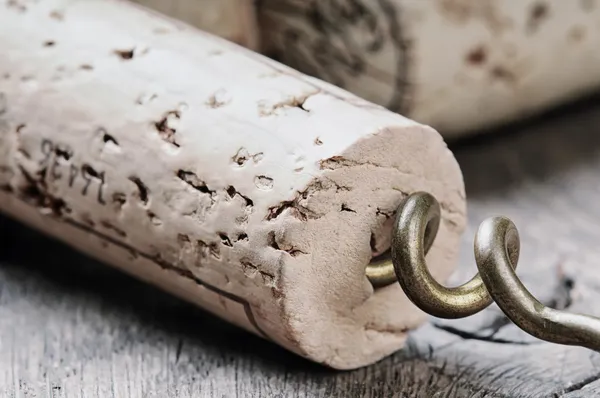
x,y
70,327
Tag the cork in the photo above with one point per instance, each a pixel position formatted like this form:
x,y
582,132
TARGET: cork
x,y
210,171
460,66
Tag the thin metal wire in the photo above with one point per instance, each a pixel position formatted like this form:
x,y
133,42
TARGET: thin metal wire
x,y
497,247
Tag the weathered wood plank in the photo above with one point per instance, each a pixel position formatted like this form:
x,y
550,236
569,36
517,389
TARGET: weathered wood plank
x,y
70,327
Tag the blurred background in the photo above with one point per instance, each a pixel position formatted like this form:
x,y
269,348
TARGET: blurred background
x,y
461,66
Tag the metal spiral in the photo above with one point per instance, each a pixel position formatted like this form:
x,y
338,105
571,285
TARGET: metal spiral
x,y
497,247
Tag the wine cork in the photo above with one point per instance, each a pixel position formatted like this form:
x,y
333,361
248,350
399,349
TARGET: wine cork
x,y
221,176
460,66
234,20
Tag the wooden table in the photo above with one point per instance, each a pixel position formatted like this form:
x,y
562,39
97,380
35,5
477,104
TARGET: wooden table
x,y
70,327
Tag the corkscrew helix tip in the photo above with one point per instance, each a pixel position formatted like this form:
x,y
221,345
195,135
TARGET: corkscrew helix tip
x,y
497,247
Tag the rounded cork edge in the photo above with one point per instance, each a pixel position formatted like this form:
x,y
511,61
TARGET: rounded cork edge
x,y
331,311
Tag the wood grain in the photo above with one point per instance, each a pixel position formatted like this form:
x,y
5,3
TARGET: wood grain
x,y
70,327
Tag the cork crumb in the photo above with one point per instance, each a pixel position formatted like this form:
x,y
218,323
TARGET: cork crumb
x,y
143,191
294,208
292,102
225,241
386,214
125,54
232,192
194,181
88,170
167,127
131,53
242,156
263,183
282,246
258,157
346,208
107,138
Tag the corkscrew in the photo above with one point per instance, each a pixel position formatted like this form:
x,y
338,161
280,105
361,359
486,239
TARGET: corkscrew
x,y
497,247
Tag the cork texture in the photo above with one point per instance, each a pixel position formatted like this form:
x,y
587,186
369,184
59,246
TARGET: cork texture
x,y
232,181
460,66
